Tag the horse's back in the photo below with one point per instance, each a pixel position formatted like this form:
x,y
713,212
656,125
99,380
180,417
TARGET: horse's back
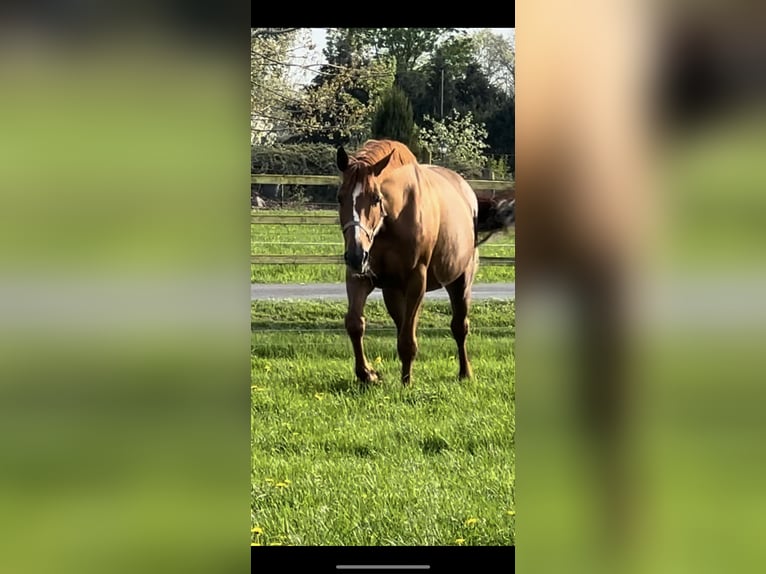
x,y
458,185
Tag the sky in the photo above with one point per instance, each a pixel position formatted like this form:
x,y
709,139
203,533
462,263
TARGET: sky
x,y
318,39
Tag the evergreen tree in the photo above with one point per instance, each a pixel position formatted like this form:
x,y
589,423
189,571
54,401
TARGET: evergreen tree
x,y
394,120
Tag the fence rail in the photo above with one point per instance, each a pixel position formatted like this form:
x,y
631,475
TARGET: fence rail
x,y
273,179
271,219
338,259
259,217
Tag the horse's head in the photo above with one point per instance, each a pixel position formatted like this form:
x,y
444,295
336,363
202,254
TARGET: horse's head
x,y
361,208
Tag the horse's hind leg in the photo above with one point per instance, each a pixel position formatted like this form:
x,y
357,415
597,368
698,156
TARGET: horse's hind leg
x,y
358,290
460,298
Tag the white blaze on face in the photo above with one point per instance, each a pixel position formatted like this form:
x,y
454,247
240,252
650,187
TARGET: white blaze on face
x,y
357,192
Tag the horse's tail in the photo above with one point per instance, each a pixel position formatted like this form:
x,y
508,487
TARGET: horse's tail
x,y
494,215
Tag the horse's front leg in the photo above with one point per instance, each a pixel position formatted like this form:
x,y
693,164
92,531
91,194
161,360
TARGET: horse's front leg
x,y
407,344
358,289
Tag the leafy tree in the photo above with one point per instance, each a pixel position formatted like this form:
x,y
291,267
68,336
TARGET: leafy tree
x,y
410,46
269,87
457,142
415,85
451,80
457,52
497,57
347,47
474,93
440,93
393,119
338,106
466,88
501,128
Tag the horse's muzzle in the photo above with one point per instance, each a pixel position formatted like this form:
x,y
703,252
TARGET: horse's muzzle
x,y
357,259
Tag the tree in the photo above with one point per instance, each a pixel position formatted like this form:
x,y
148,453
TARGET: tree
x,y
457,142
338,107
451,79
347,47
501,129
393,119
410,46
496,55
270,87
453,75
475,94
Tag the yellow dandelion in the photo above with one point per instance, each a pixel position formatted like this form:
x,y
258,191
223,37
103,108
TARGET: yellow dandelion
x,y
281,485
257,388
269,480
275,544
459,541
471,521
319,396
257,530
378,360
511,513
256,544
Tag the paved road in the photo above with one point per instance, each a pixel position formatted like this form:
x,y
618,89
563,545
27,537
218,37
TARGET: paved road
x,y
338,291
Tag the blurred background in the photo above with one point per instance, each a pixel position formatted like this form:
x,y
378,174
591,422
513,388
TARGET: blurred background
x,y
123,270
124,230
640,268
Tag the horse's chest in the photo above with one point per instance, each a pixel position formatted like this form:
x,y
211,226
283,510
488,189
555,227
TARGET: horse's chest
x,y
390,263
383,265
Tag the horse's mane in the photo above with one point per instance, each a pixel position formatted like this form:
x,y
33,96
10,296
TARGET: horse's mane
x,y
375,150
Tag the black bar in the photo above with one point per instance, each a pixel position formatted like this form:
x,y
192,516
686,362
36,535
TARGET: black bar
x,y
426,559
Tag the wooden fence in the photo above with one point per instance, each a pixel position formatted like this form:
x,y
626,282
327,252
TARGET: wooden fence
x,y
479,185
482,187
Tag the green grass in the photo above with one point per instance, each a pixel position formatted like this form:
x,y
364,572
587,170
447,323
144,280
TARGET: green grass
x,y
268,239
338,463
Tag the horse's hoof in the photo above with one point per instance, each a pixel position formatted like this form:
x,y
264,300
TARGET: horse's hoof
x,y
368,376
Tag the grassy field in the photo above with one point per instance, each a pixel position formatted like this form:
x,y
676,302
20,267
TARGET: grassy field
x,y
335,463
269,239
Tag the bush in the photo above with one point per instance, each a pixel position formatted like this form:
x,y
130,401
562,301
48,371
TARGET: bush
x,y
295,159
499,167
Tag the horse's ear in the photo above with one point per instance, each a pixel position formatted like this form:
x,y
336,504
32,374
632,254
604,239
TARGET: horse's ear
x,y
381,165
342,159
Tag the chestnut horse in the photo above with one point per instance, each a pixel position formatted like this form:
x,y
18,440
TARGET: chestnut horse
x,y
408,228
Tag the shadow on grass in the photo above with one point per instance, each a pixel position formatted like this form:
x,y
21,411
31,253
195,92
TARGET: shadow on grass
x,y
433,445
348,386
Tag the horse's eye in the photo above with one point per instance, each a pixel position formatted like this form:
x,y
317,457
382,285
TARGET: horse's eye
x,y
376,199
